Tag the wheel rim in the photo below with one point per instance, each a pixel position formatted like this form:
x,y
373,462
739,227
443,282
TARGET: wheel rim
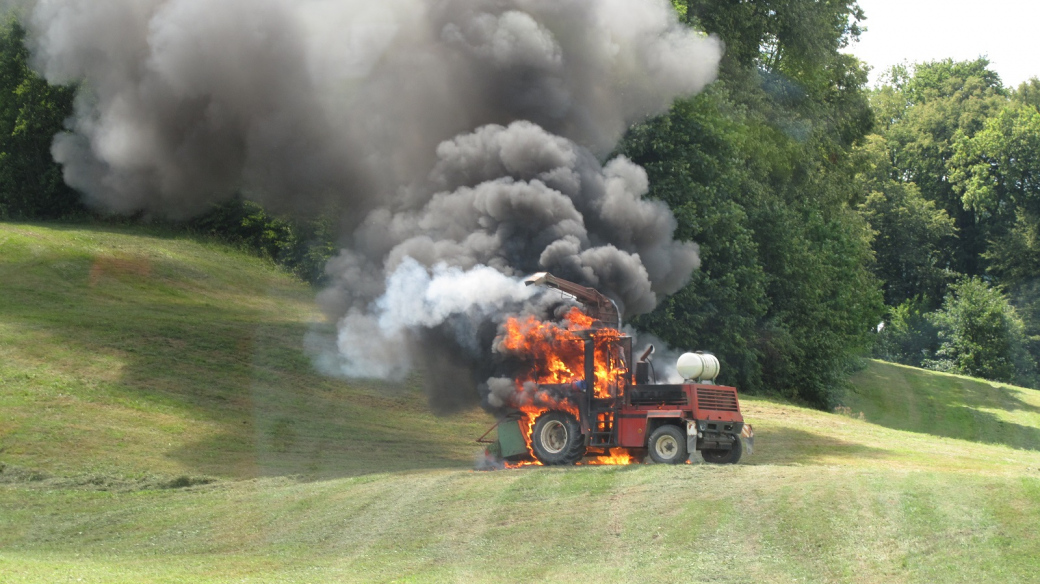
x,y
666,447
554,436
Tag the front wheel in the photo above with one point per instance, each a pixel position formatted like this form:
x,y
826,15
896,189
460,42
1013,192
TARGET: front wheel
x,y
731,456
557,439
668,445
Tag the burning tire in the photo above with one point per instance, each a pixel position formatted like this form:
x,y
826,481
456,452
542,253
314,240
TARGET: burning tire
x,y
556,439
668,445
731,456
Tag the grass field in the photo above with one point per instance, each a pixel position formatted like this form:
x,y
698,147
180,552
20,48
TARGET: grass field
x,y
160,422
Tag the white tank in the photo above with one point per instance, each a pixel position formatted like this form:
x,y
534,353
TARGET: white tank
x,y
698,366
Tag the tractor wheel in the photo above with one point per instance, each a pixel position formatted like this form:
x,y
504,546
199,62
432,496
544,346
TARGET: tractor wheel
x,y
667,445
731,456
557,439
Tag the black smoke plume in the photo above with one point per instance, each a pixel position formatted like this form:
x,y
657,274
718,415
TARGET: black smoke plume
x,y
463,139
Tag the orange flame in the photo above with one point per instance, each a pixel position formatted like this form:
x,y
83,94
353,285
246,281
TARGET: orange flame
x,y
554,353
613,456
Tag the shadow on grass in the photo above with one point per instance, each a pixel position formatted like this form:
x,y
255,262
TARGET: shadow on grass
x,y
330,434
904,398
200,358
786,445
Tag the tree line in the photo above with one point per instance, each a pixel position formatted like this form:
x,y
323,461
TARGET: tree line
x,y
901,221
835,221
951,178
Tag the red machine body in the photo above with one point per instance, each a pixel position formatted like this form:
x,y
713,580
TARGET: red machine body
x,y
717,406
620,407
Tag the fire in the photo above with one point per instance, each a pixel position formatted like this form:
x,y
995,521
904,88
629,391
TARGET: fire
x,y
554,354
532,415
613,456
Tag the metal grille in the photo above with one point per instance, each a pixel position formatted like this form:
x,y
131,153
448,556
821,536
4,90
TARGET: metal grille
x,y
717,399
662,394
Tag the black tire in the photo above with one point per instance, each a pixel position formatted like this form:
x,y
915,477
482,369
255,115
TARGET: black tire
x,y
731,456
667,445
557,439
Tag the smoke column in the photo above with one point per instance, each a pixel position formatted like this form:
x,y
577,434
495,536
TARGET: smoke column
x,y
463,140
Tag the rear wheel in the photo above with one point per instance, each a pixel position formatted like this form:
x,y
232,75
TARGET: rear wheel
x,y
557,439
667,445
731,456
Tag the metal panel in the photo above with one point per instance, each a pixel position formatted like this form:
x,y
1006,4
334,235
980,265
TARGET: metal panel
x,y
670,395
716,402
590,382
632,431
511,439
717,399
665,414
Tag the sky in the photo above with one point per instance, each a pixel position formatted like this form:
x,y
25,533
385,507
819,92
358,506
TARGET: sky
x,y
926,30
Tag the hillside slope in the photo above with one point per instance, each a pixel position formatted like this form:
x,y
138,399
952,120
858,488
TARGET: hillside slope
x,y
906,398
161,423
123,354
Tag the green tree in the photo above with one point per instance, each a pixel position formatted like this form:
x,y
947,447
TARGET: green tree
x,y
758,172
997,170
998,173
913,239
302,246
31,113
1028,93
795,38
1014,257
911,246
908,335
981,335
689,154
923,112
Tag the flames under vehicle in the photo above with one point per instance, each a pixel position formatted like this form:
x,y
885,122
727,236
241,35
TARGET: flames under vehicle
x,y
611,404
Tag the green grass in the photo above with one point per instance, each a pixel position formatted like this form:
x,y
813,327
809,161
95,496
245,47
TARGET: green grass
x,y
955,406
123,354
160,422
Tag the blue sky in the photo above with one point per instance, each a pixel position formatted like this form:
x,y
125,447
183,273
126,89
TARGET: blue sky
x,y
1007,31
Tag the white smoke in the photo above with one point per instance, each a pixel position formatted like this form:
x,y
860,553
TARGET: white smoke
x,y
372,343
664,359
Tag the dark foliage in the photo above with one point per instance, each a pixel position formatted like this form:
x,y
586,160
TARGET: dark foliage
x,y
759,173
302,246
31,113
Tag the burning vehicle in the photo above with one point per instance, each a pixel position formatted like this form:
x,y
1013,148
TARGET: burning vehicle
x,y
452,146
583,396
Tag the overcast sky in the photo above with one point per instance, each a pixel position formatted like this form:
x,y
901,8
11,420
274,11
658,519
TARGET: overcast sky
x,y
925,30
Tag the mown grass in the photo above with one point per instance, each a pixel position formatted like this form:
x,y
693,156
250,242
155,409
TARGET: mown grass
x,y
756,523
942,404
160,422
125,354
